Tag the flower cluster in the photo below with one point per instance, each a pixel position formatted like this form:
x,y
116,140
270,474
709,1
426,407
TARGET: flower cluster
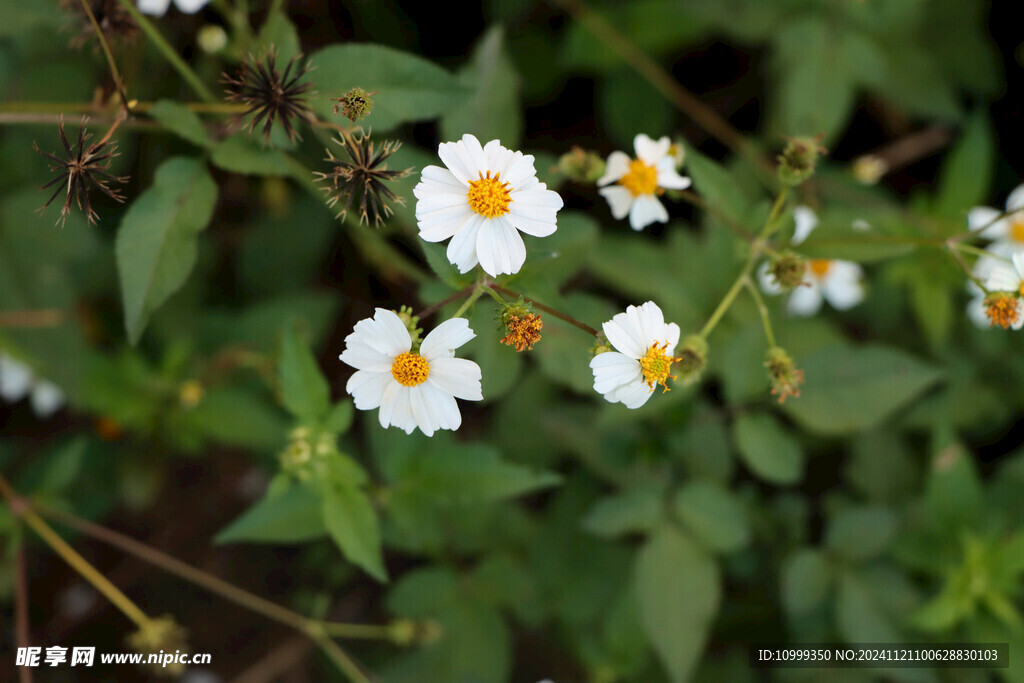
x,y
18,380
1000,271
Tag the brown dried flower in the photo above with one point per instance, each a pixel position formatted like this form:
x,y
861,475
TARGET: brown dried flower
x,y
270,94
364,176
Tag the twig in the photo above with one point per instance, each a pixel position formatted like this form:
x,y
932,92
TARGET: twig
x,y
21,608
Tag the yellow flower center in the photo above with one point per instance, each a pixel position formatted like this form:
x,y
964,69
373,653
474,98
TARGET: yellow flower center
x,y
1017,229
640,179
818,267
488,196
523,332
1002,310
410,369
656,364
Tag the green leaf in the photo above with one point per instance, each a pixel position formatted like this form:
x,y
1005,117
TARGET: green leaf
x,y
860,533
237,418
181,121
967,170
293,516
304,390
339,419
954,496
156,243
716,517
409,88
243,153
849,389
770,452
635,510
631,105
352,522
492,112
859,616
18,19
279,33
806,579
717,185
679,589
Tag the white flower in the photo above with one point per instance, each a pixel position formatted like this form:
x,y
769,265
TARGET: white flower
x,y
639,181
983,268
642,358
158,8
1006,232
17,380
412,389
838,282
1007,277
483,200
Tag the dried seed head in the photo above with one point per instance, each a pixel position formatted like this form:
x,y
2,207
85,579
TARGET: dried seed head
x,y
114,21
783,374
798,159
364,176
271,95
355,104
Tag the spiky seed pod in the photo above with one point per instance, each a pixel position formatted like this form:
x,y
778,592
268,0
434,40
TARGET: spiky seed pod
x,y
363,178
271,95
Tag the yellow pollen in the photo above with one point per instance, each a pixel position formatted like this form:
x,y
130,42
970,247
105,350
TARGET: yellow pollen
x,y
1017,229
488,196
1002,310
819,267
640,179
656,364
410,369
523,332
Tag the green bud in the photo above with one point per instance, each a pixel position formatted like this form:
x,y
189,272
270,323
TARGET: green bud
x,y
410,321
788,270
581,165
601,345
798,159
693,358
355,104
783,374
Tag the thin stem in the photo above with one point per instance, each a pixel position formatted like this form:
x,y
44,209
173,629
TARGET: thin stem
x,y
20,508
430,310
341,659
547,309
976,251
726,302
357,631
771,222
43,317
114,73
762,309
495,295
169,53
477,292
21,608
954,251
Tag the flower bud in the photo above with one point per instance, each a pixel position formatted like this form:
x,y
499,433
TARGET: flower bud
x,y
788,270
410,321
601,345
190,393
693,358
355,104
783,374
159,636
581,165
798,159
212,38
869,169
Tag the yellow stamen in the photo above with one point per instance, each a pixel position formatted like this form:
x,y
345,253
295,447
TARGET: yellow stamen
x,y
410,369
818,267
655,366
488,196
1002,309
524,332
640,179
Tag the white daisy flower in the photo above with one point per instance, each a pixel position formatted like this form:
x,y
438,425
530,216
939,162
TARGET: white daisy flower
x,y
838,282
639,181
644,345
17,381
158,8
1003,306
483,200
1006,232
411,388
983,268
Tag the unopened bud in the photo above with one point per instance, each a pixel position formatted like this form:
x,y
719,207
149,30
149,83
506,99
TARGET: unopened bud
x,y
788,270
693,358
783,374
869,169
355,104
798,159
581,165
212,38
601,345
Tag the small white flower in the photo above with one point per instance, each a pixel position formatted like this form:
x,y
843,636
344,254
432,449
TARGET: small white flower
x,y
1006,232
838,282
639,181
983,268
17,380
644,345
412,389
483,199
158,8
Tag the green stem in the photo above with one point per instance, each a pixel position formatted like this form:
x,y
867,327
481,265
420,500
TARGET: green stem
x,y
726,302
762,309
547,309
114,73
477,293
169,53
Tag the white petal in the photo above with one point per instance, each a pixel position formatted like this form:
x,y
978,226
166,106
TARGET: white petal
x,y
619,200
367,388
395,408
520,173
616,167
15,378
860,225
976,312
646,209
632,395
1019,322
462,248
767,280
156,8
441,407
805,300
651,322
423,410
624,333
669,178
806,221
983,267
362,356
190,6
465,158
499,247
613,370
442,341
1018,263
440,225
437,179
1004,278
456,376
533,211
649,151
384,332
842,285
988,218
47,398
1015,201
